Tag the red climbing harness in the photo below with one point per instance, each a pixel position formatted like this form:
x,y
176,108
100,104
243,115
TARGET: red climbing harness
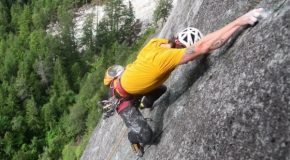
x,y
125,99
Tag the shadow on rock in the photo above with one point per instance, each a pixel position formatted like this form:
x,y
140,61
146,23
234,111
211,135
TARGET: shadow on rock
x,y
186,77
172,94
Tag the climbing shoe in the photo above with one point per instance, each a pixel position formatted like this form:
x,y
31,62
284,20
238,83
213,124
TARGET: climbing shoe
x,y
141,106
141,103
145,103
137,149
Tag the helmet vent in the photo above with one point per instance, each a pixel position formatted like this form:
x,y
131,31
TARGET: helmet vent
x,y
199,34
189,36
193,39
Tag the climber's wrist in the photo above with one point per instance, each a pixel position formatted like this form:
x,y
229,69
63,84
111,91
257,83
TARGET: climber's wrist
x,y
240,22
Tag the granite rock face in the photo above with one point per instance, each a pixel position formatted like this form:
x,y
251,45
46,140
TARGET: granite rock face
x,y
231,104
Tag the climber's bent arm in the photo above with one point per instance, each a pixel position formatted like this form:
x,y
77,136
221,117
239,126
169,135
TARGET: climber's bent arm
x,y
218,38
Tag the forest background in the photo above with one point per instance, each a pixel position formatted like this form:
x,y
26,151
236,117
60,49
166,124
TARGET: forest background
x,y
50,84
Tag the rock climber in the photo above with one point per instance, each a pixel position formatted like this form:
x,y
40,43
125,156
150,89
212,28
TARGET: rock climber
x,y
144,78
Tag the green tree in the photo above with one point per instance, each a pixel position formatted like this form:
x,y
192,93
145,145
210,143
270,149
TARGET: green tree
x,y
9,66
87,41
49,115
25,153
18,124
21,84
61,97
39,18
119,20
55,141
162,11
25,25
2,51
8,146
68,152
4,18
68,48
45,66
4,124
32,114
15,13
128,23
77,120
41,57
60,83
8,95
113,9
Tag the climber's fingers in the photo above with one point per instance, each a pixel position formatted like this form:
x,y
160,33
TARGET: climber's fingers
x,y
251,17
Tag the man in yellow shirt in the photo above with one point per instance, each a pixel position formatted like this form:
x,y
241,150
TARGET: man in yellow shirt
x,y
154,64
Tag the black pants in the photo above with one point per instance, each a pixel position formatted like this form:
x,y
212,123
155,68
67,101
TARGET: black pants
x,y
139,129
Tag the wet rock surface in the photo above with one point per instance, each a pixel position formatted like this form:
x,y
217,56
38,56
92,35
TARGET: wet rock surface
x,y
232,104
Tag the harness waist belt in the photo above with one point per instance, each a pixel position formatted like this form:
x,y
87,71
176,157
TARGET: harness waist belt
x,y
125,98
123,105
120,90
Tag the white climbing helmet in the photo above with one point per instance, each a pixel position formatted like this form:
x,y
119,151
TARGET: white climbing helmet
x,y
189,36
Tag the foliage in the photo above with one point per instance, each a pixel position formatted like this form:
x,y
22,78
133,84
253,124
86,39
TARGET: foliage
x,y
49,86
4,17
162,11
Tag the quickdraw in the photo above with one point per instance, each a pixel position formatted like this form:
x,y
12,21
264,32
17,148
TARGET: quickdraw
x,y
109,106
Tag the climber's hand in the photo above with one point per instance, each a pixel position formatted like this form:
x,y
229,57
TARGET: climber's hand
x,y
251,17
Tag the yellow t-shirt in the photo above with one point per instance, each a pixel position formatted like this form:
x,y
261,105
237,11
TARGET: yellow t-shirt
x,y
151,68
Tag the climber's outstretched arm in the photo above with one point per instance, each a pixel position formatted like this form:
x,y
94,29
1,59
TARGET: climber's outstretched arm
x,y
218,38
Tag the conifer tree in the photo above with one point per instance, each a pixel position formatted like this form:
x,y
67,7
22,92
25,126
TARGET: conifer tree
x,y
15,13
4,18
32,114
162,11
25,25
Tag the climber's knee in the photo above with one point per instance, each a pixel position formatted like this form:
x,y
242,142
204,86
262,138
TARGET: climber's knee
x,y
144,136
147,136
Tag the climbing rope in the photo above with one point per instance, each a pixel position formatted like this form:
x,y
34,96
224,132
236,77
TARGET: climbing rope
x,y
121,135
